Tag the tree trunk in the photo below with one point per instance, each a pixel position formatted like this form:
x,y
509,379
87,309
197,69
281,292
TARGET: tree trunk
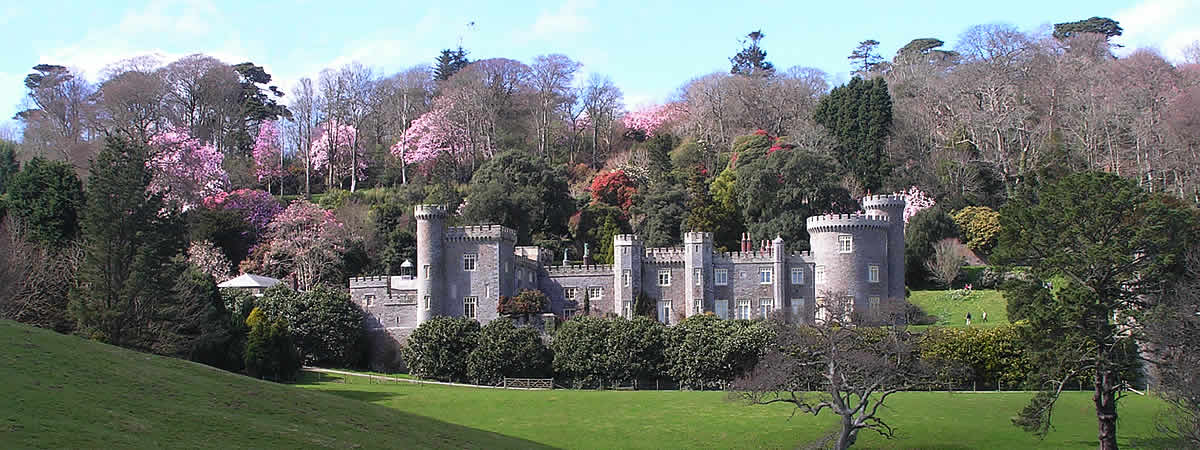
x,y
846,437
1106,409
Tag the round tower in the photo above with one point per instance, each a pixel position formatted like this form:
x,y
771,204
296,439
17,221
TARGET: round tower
x,y
848,249
891,206
431,226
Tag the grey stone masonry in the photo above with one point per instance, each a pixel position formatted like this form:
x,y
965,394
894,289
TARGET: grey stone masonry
x,y
463,271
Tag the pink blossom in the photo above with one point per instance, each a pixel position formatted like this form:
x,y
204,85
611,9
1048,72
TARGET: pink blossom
x,y
337,139
434,133
651,119
916,201
184,169
305,241
257,207
267,147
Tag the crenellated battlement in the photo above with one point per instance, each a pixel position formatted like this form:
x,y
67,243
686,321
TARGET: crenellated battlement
x,y
429,211
580,269
665,254
884,200
370,281
698,237
481,233
763,256
833,222
628,239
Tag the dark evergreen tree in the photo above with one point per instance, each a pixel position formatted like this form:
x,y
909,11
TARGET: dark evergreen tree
x,y
859,115
8,163
130,239
520,191
1114,247
752,60
658,148
450,62
924,229
659,214
1099,25
192,322
47,196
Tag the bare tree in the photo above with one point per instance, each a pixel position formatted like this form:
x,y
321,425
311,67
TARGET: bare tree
x,y
303,124
551,78
1172,332
833,365
602,101
58,114
130,104
37,280
203,96
947,261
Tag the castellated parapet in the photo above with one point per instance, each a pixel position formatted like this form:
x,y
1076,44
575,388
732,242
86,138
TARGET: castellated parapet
x,y
429,211
832,222
665,255
378,281
481,233
580,269
876,202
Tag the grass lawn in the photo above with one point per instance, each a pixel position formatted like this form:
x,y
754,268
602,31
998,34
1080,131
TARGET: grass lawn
x,y
65,392
952,312
680,419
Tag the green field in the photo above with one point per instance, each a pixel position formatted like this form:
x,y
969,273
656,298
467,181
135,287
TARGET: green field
x,y
681,419
952,312
65,392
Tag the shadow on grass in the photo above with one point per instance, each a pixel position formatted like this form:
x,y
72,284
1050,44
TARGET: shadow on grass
x,y
439,434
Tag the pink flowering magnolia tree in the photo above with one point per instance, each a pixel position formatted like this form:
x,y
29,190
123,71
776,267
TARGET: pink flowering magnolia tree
x,y
916,201
335,149
651,119
307,242
257,208
268,149
184,169
209,259
432,134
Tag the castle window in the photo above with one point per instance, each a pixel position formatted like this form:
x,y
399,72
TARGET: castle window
x,y
874,302
819,276
625,278
765,305
743,309
626,310
369,299
425,269
696,277
721,308
625,251
595,293
664,277
764,275
569,313
570,293
797,308
507,267
797,275
425,301
469,260
721,277
873,273
697,307
469,307
845,243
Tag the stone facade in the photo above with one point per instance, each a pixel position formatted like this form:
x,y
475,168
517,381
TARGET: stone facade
x,y
463,271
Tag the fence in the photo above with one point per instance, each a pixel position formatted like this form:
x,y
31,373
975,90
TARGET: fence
x,y
528,383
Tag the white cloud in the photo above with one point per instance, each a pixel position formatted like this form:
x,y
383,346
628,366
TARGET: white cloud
x,y
1167,25
567,19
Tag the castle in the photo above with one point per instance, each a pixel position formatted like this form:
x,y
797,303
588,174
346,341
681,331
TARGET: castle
x,y
463,271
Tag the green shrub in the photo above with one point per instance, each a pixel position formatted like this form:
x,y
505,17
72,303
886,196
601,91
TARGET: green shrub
x,y
505,350
580,349
438,349
333,199
327,325
636,349
984,354
980,226
270,351
924,228
705,352
527,302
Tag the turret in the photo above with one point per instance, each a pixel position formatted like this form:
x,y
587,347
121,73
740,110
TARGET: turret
x,y
698,250
847,249
891,206
779,279
628,251
431,229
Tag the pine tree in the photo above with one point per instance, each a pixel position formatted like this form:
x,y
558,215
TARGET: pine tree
x,y
859,115
449,62
752,60
130,240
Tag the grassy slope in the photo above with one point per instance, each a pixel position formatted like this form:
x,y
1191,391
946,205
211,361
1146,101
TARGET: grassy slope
x,y
952,312
672,419
64,392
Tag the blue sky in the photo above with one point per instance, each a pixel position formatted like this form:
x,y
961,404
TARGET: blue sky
x,y
648,48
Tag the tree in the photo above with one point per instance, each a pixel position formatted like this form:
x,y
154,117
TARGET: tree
x,y
706,352
37,278
47,197
650,120
130,239
270,352
306,242
752,60
635,349
1115,246
8,163
849,370
1099,25
980,226
432,134
602,101
947,262
56,125
438,349
659,214
924,229
522,192
185,170
210,260
326,324
658,150
450,62
1173,334
859,115
552,76
526,302
304,120
613,188
865,59
192,322
268,155
256,208
580,350
507,351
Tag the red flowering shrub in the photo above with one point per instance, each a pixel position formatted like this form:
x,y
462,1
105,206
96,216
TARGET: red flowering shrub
x,y
527,302
615,189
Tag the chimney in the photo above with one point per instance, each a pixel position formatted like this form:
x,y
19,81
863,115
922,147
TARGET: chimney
x,y
746,245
